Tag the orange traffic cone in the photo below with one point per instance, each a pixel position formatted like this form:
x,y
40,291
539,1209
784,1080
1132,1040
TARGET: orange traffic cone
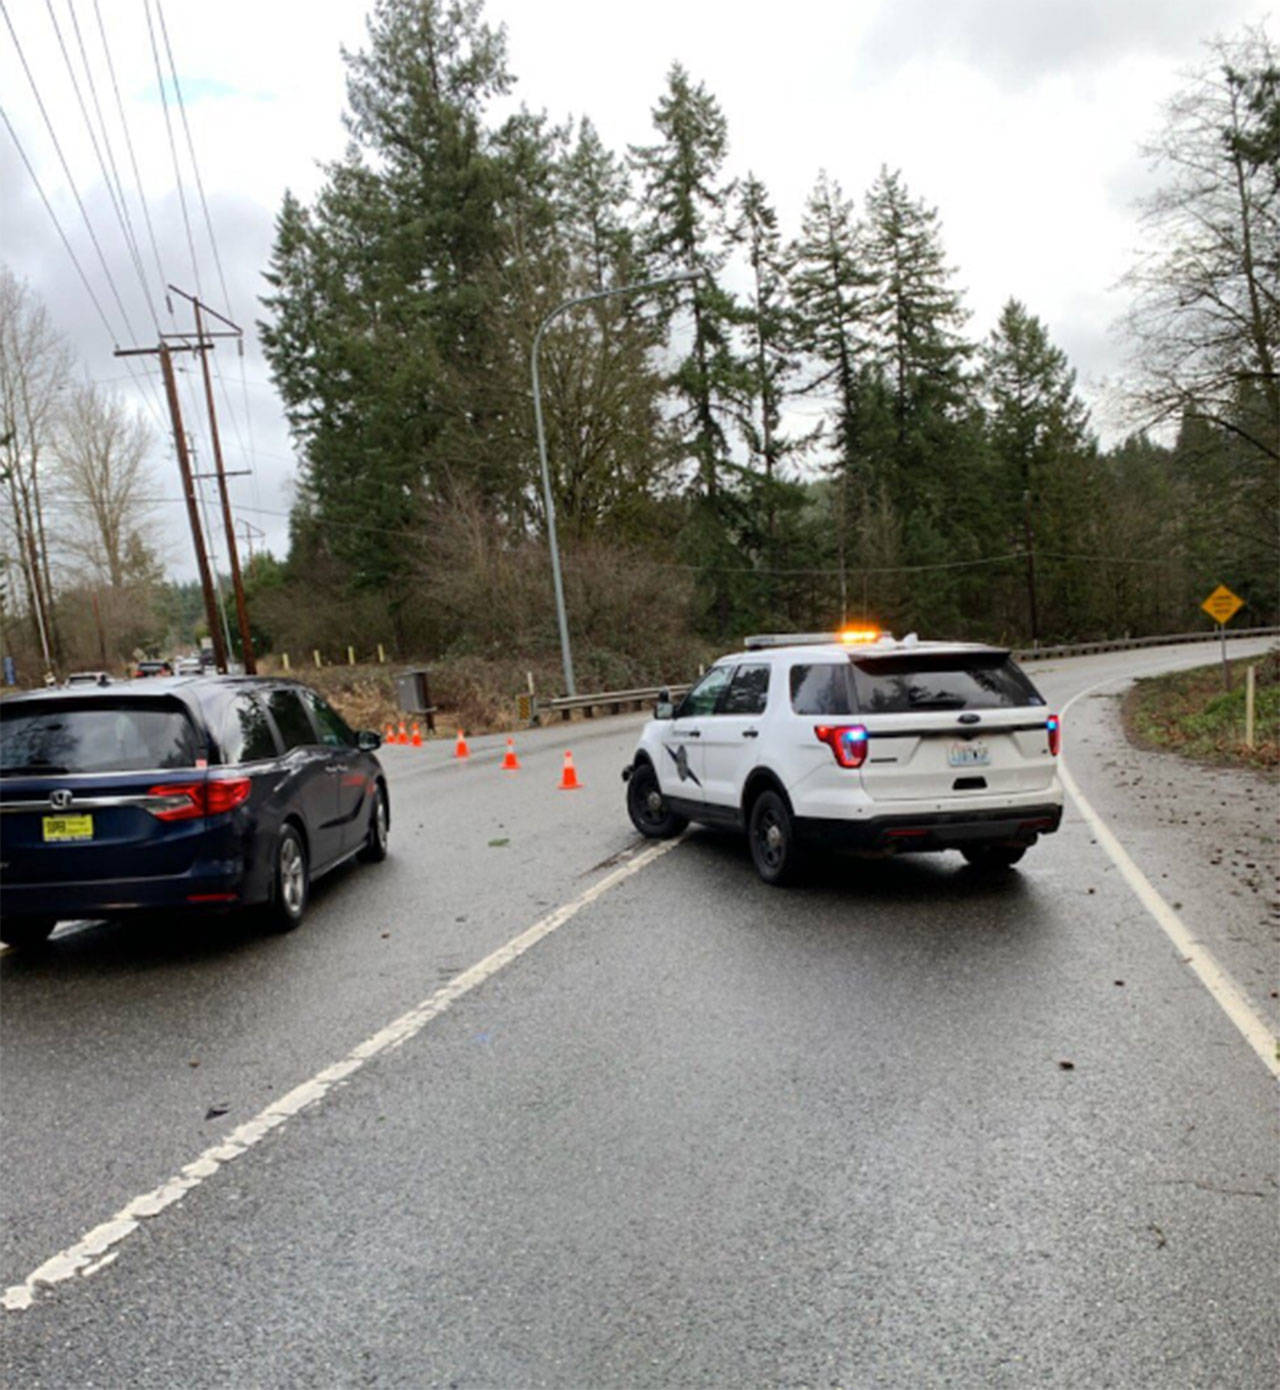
x,y
460,749
417,737
404,734
569,778
511,763
390,736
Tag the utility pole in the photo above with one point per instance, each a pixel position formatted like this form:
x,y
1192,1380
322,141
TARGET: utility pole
x,y
204,346
188,489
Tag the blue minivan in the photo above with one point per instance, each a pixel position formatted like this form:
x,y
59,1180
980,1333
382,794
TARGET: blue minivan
x,y
200,793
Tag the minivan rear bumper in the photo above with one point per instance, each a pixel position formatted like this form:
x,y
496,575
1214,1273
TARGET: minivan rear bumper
x,y
933,830
208,884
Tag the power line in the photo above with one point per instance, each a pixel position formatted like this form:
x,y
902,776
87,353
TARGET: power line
x,y
53,135
204,204
75,260
133,158
173,148
125,230
191,150
93,237
130,235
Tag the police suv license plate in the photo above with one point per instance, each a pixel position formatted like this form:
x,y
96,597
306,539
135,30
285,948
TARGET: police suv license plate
x,y
971,754
63,828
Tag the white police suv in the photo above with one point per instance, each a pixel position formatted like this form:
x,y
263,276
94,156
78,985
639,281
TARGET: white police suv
x,y
854,740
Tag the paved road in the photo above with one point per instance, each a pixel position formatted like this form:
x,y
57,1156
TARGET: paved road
x,y
901,1126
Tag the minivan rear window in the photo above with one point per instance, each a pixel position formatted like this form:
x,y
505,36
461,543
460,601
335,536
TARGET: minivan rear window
x,y
956,680
121,735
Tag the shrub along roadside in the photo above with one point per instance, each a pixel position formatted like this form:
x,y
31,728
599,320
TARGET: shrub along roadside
x,y
1188,712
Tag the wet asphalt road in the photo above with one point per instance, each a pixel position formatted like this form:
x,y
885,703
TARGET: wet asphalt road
x,y
705,1133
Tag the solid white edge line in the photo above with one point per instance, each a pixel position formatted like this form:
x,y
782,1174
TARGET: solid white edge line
x,y
1231,999
86,1256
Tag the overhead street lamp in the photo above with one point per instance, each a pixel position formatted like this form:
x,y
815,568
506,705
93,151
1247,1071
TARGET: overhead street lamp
x,y
570,686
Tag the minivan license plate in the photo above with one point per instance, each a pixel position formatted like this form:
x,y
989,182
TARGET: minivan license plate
x,y
61,828
972,754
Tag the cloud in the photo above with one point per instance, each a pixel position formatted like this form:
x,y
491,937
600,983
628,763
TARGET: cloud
x,y
1018,42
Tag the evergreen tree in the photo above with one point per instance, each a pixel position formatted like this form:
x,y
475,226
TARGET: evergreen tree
x,y
1037,432
829,290
686,195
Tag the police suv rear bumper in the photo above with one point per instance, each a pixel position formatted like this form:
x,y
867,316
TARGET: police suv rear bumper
x,y
933,830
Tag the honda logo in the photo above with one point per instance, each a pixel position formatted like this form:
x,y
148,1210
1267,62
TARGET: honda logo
x,y
60,799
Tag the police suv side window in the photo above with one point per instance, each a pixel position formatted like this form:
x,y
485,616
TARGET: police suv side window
x,y
703,697
821,688
291,719
748,692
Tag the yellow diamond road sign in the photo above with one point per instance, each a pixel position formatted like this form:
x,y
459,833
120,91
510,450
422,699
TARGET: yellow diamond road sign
x,y
1222,605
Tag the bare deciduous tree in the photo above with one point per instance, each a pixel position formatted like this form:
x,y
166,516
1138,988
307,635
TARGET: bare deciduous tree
x,y
103,486
35,363
1206,317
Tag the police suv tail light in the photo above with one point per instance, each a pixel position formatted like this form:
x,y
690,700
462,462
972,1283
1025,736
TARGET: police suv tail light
x,y
848,742
1053,726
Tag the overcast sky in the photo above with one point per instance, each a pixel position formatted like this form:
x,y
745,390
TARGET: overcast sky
x,y
1022,121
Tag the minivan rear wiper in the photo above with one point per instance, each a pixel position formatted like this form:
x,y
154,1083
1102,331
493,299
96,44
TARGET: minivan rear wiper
x,y
28,768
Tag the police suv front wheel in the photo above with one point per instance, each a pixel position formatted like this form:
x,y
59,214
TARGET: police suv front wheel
x,y
648,808
771,832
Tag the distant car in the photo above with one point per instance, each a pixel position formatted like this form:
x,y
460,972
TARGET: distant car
x,y
207,792
854,740
89,678
152,668
187,666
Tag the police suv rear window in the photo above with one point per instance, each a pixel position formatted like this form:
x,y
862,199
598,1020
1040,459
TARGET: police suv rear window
x,y
821,688
958,680
56,736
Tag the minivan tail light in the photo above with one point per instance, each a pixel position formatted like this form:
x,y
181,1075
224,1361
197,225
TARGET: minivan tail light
x,y
191,800
848,742
1053,726
177,801
226,793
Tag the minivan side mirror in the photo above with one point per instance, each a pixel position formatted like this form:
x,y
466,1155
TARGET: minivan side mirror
x,y
367,741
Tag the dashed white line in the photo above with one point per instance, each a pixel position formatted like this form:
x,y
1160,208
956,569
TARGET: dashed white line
x,y
93,1251
1230,997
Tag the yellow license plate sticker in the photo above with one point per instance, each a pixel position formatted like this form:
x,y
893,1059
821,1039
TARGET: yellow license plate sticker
x,y
68,827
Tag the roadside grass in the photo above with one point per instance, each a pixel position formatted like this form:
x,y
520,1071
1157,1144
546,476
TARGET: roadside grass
x,y
1188,712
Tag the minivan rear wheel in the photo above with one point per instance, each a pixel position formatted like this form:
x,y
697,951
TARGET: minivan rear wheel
x,y
292,882
22,932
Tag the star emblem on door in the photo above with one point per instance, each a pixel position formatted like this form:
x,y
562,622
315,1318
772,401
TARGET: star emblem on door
x,y
680,757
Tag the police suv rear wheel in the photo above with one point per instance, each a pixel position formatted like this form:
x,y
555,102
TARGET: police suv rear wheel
x,y
993,856
648,808
772,834
20,932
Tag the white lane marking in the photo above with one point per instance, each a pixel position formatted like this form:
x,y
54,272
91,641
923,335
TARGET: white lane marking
x,y
1230,997
86,1255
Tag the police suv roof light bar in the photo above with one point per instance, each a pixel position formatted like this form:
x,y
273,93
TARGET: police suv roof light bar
x,y
848,637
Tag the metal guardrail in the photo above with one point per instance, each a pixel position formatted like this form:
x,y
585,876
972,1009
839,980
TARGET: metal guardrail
x,y
1168,639
615,701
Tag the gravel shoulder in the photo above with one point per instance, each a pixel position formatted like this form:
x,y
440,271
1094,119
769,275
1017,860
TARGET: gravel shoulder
x,y
1205,836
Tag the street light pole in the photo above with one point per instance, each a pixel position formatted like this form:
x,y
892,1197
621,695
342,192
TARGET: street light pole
x,y
561,617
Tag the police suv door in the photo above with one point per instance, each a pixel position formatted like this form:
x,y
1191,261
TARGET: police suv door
x,y
680,766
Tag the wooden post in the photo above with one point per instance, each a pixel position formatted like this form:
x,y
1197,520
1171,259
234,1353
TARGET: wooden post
x,y
1249,684
351,656
284,656
382,656
316,656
